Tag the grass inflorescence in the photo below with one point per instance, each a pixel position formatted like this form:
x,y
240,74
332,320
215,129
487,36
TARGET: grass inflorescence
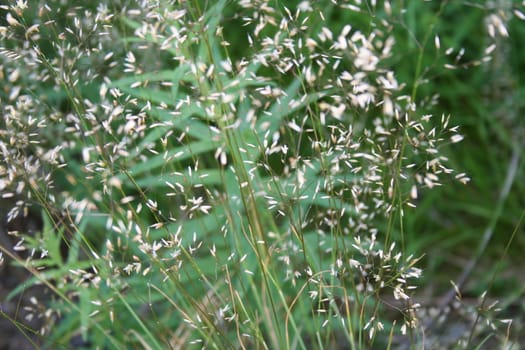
x,y
250,174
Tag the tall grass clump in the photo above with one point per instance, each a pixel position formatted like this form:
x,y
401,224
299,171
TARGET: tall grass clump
x,y
224,174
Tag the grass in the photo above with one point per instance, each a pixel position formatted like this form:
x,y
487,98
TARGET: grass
x,y
266,175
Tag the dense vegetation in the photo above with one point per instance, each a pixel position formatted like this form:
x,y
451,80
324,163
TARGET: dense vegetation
x,y
262,174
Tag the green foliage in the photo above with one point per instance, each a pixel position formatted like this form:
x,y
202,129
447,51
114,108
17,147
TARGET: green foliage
x,y
262,174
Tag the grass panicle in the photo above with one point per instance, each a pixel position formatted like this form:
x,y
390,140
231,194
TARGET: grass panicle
x,y
259,174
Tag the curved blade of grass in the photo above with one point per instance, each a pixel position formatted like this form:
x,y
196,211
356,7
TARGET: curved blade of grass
x,y
179,153
134,315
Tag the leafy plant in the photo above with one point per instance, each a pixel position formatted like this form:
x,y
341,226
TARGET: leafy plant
x,y
230,174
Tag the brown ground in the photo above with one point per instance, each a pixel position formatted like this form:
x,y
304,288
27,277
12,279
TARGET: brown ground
x,y
16,332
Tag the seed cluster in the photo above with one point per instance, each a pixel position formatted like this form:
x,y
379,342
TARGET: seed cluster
x,y
241,186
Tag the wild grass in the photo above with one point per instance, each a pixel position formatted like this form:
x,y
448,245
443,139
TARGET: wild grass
x,y
261,174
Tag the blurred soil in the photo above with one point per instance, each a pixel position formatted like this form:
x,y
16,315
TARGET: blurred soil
x,y
17,330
